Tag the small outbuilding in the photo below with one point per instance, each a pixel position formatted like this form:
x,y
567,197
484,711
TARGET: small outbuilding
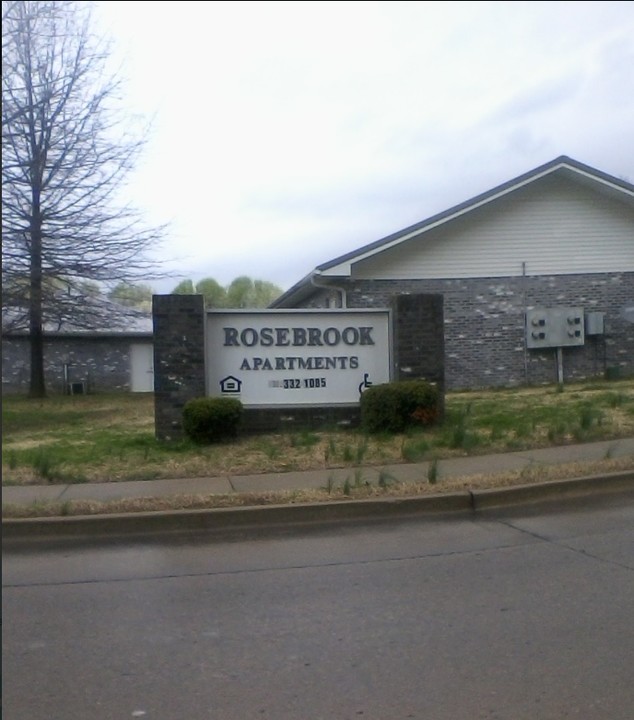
x,y
79,361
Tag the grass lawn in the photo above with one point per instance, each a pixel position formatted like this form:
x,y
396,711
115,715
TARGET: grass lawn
x,y
109,438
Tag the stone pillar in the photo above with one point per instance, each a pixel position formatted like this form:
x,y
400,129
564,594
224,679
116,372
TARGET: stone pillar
x,y
179,359
419,340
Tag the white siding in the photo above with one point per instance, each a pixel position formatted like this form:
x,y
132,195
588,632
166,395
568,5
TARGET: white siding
x,y
554,227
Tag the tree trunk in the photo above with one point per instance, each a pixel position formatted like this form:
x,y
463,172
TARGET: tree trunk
x,y
38,385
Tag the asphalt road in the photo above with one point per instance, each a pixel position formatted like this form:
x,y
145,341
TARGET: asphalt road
x,y
510,615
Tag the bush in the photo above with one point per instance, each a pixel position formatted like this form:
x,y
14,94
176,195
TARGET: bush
x,y
394,407
208,420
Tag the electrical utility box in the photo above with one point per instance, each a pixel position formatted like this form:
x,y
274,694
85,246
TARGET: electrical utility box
x,y
594,323
554,327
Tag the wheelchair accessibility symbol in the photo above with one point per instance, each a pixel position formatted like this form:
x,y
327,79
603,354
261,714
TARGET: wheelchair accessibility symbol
x,y
365,383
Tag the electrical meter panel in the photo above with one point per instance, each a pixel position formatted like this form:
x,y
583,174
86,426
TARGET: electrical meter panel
x,y
554,327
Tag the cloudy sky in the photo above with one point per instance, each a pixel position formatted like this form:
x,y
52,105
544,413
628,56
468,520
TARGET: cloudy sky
x,y
287,133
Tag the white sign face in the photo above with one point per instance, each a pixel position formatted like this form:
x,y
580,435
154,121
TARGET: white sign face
x,y
296,357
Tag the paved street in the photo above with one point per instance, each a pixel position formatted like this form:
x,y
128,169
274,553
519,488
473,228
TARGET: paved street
x,y
510,614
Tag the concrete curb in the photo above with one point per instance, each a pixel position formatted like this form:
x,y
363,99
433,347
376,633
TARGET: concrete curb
x,y
619,482
243,518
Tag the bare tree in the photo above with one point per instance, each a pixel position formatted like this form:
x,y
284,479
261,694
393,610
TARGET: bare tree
x,y
66,153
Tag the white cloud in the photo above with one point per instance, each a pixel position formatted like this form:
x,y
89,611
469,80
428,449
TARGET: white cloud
x,y
287,133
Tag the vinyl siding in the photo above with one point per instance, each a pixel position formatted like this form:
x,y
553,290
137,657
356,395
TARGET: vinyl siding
x,y
555,228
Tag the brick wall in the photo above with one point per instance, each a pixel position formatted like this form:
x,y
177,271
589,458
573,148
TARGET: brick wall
x,y
419,340
101,363
179,359
484,324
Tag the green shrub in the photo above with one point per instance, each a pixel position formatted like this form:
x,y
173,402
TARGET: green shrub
x,y
208,420
394,407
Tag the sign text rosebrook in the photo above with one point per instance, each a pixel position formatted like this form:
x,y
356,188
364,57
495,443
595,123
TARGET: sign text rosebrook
x,y
298,336
291,357
280,337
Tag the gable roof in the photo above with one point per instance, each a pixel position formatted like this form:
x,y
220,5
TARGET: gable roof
x,y
563,166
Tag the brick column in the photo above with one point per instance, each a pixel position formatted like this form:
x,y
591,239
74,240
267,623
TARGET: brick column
x,y
419,340
179,359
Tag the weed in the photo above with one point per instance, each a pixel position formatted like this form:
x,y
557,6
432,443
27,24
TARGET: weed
x,y
587,417
43,464
347,454
432,472
458,436
330,451
522,430
415,450
615,400
495,434
557,432
362,449
358,479
305,439
346,487
330,484
462,438
12,460
385,479
270,450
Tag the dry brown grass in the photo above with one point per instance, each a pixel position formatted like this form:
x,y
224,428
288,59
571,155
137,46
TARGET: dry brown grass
x,y
528,476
